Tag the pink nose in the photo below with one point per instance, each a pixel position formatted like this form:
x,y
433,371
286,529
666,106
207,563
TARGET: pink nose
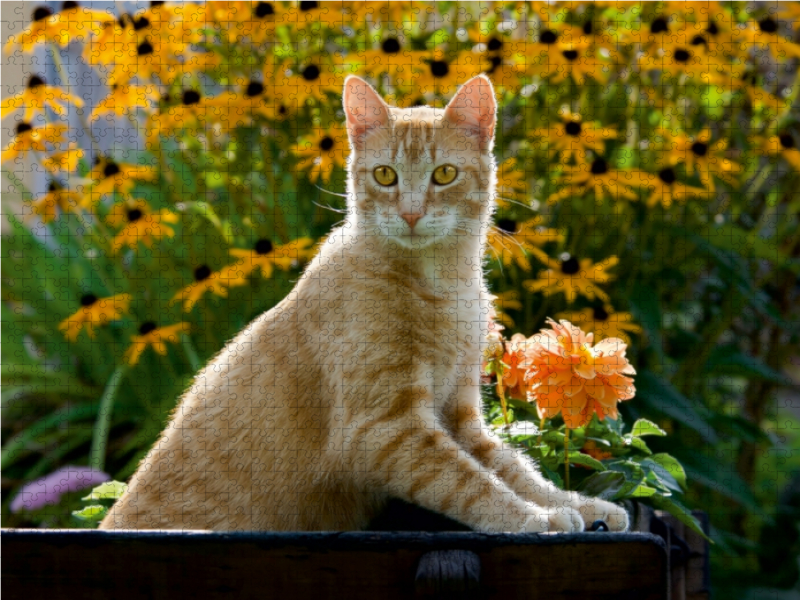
x,y
411,219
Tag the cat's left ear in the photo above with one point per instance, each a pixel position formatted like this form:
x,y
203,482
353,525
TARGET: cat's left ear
x,y
474,109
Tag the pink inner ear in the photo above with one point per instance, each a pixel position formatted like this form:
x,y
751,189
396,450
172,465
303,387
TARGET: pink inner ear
x,y
364,108
473,108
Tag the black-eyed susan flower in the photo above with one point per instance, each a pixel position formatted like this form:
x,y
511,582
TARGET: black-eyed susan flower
x,y
56,197
564,52
440,74
312,79
322,152
604,321
111,176
666,189
33,35
510,241
701,156
63,162
304,15
394,56
573,137
763,34
512,184
387,14
600,178
687,61
139,223
206,280
503,302
503,60
125,97
659,31
250,98
150,335
72,22
94,312
255,21
30,138
265,255
571,276
36,96
782,145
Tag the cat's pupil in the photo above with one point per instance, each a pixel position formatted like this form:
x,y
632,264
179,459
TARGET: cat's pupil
x,y
548,37
88,299
326,143
23,127
202,273
570,266
144,48
263,246
134,215
254,88
768,25
494,44
570,54
147,327
507,225
682,55
667,176
390,46
699,148
600,313
111,169
787,141
599,167
191,97
41,13
264,9
659,26
573,128
439,68
311,73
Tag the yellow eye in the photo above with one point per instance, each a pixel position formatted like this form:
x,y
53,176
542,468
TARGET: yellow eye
x,y
385,175
445,174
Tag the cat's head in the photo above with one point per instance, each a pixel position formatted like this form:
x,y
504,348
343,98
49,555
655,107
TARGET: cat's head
x,y
418,176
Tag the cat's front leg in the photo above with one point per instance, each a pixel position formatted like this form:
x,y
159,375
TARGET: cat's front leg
x,y
521,475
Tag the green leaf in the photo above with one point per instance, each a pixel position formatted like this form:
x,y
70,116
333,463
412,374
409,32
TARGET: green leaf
x,y
733,238
644,427
579,458
643,491
638,443
647,311
634,477
729,360
679,511
110,490
92,513
662,396
605,485
673,467
660,475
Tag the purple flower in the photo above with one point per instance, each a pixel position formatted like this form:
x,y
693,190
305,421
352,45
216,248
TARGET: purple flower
x,y
48,489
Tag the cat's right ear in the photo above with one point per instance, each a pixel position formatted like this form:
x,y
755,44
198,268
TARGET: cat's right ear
x,y
364,108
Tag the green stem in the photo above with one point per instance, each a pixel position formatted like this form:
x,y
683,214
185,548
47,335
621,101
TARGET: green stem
x,y
566,458
190,351
103,423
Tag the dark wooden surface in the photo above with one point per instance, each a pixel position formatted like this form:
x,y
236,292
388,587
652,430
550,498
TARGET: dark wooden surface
x,y
207,565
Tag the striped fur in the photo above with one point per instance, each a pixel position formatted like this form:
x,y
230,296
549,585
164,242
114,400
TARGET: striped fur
x,y
363,383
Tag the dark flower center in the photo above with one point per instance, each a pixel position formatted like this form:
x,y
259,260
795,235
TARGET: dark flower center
x,y
264,9
507,225
494,44
659,25
570,54
52,187
787,141
326,143
599,167
390,46
147,327
699,148
202,273
667,176
439,68
699,40
144,48
282,110
263,247
41,13
124,19
311,73
254,88
154,4
682,55
191,97
34,82
140,23
573,128
599,313
23,127
166,98
111,169
496,61
712,28
768,25
88,299
134,215
68,5
570,266
587,28
548,37
304,6
420,101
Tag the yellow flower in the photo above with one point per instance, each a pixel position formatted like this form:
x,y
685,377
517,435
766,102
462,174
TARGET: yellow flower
x,y
313,79
566,52
312,14
322,152
30,138
110,176
387,14
512,185
36,97
667,189
216,282
763,34
73,22
572,138
503,58
436,74
94,312
603,321
602,180
139,224
123,98
151,335
698,154
509,241
66,161
571,276
567,374
264,255
782,145
56,197
393,57
504,301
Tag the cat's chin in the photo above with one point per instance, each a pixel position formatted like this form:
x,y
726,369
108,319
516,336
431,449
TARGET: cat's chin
x,y
414,241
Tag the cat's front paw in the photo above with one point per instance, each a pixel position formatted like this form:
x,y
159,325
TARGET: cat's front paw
x,y
615,516
554,519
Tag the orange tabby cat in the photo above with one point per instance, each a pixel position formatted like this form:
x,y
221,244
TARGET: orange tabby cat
x,y
364,382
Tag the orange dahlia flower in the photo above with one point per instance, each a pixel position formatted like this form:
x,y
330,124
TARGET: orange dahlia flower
x,y
567,374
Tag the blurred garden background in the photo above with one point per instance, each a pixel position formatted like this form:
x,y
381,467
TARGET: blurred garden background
x,y
168,169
